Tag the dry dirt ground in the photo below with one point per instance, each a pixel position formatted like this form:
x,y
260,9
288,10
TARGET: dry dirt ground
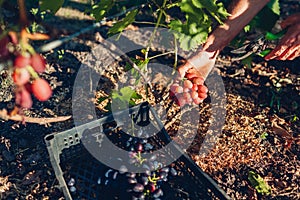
x,y
260,134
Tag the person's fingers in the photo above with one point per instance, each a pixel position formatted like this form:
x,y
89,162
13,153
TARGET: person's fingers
x,y
281,56
276,52
294,55
270,55
291,52
287,42
184,68
194,71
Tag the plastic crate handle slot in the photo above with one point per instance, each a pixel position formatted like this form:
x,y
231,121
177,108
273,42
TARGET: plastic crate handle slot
x,y
142,117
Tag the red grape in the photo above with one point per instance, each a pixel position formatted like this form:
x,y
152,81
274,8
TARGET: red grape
x,y
38,63
198,81
187,96
202,89
173,87
186,90
28,87
188,84
194,94
21,76
41,89
179,89
202,95
23,98
191,90
180,100
22,61
190,76
195,87
197,100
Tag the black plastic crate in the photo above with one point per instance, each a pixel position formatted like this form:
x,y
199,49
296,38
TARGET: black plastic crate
x,y
82,176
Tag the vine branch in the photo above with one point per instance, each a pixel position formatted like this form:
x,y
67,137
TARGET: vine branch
x,y
42,121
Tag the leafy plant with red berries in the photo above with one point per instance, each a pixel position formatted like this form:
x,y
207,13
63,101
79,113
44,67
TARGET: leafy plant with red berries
x,y
25,64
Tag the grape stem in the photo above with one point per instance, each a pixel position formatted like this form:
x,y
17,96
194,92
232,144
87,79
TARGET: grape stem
x,y
139,158
153,179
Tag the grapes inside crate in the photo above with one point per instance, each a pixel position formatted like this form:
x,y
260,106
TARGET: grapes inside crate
x,y
88,168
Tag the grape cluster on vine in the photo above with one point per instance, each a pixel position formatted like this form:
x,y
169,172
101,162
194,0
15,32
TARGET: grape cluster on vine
x,y
25,65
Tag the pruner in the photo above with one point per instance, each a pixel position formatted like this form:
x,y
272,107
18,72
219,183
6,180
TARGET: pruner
x,y
261,46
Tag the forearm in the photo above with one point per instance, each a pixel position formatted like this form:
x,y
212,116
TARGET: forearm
x,y
242,12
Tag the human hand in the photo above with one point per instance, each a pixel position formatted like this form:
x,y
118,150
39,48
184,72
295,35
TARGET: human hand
x,y
289,45
199,65
189,88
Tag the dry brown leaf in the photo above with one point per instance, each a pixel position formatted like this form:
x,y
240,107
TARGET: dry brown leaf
x,y
280,131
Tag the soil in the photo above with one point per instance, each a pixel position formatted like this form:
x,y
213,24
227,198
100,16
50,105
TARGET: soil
x,y
260,133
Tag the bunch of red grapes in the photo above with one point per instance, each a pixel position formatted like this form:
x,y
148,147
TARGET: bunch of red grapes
x,y
26,67
190,90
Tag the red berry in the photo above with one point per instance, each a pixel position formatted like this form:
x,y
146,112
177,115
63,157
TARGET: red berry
x,y
202,95
195,87
38,63
22,61
173,87
197,100
41,89
188,84
179,89
181,101
194,94
198,81
21,76
152,187
202,89
187,96
172,94
186,89
139,147
190,75
23,98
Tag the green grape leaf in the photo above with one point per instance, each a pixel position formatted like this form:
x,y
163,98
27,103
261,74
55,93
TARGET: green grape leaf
x,y
258,183
274,6
198,24
99,10
125,94
267,17
124,97
121,25
53,6
272,36
176,25
216,10
222,11
189,8
247,28
264,52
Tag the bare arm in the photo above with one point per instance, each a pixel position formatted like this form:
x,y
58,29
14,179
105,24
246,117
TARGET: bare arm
x,y
242,12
